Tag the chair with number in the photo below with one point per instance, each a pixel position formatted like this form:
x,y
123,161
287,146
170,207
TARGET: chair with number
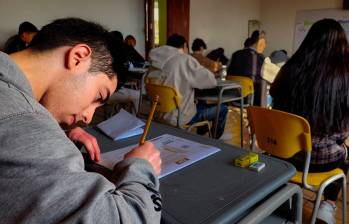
x,y
283,135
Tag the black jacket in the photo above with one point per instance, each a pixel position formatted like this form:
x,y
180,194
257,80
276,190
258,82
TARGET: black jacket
x,y
246,62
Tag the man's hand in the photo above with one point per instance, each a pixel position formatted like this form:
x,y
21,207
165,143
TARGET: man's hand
x,y
90,142
149,152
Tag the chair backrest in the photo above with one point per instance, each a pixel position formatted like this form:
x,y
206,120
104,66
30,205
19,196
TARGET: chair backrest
x,y
168,97
245,82
279,133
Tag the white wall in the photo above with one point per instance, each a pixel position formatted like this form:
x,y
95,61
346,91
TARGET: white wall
x,y
126,16
222,23
278,19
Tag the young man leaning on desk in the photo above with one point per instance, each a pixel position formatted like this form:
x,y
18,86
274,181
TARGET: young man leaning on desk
x,y
173,66
60,79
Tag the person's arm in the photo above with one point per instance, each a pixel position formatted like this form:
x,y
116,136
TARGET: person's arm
x,y
89,141
198,76
56,187
213,66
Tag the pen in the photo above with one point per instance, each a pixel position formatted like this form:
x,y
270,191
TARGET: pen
x,y
150,117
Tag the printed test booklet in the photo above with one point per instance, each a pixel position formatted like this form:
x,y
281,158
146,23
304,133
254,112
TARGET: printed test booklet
x,y
176,153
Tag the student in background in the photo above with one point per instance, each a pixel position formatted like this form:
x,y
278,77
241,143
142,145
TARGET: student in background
x,y
218,55
133,56
279,57
198,47
130,40
121,65
248,62
173,66
261,43
314,84
63,76
26,32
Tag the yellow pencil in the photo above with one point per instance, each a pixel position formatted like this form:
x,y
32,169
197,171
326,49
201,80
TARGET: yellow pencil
x,y
150,117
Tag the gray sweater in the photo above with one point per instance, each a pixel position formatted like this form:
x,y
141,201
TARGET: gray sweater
x,y
42,177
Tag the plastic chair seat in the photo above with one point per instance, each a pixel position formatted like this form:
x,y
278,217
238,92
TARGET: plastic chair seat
x,y
170,100
247,88
316,179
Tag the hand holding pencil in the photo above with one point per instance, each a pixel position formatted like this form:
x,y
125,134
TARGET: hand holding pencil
x,y
147,150
150,117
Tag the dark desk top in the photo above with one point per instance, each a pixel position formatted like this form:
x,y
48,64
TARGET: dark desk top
x,y
222,83
211,190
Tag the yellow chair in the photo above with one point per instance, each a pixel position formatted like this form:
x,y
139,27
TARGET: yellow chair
x,y
247,87
168,101
283,135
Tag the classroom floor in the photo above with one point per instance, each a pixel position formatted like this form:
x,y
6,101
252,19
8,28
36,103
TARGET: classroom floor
x,y
232,136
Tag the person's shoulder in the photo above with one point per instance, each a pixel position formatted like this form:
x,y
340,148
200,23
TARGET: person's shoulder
x,y
186,57
241,52
15,102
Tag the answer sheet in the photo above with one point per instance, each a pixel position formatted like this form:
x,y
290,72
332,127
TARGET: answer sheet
x,y
176,153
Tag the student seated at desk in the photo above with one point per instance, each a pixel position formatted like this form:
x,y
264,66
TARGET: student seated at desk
x,y
198,47
124,56
314,83
136,58
218,55
248,62
42,173
20,41
173,66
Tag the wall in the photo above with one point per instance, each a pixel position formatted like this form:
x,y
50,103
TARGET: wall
x,y
126,16
222,23
278,20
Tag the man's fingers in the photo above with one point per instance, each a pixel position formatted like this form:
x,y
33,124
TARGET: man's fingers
x,y
96,150
89,141
89,148
149,152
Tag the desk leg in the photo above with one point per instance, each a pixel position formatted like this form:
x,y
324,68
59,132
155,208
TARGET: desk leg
x,y
289,191
217,119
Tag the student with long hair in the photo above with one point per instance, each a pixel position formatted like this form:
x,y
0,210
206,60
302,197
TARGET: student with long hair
x,y
314,84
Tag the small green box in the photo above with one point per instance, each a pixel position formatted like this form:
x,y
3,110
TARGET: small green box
x,y
246,160
253,157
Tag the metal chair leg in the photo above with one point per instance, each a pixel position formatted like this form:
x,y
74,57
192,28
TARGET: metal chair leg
x,y
344,200
320,192
316,205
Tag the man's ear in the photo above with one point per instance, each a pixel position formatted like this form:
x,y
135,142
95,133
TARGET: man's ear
x,y
78,57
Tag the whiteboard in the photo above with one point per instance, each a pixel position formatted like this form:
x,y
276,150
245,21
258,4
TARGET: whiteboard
x,y
306,18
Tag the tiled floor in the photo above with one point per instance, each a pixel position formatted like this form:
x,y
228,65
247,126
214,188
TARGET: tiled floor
x,y
232,136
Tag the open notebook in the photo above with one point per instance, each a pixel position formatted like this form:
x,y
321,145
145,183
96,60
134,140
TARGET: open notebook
x,y
176,153
122,125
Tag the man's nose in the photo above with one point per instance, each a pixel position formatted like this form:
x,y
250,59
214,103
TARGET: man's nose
x,y
87,114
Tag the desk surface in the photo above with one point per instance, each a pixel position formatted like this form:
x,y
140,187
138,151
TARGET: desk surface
x,y
211,190
222,83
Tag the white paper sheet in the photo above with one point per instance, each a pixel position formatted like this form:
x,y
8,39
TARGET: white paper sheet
x,y
176,153
122,125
